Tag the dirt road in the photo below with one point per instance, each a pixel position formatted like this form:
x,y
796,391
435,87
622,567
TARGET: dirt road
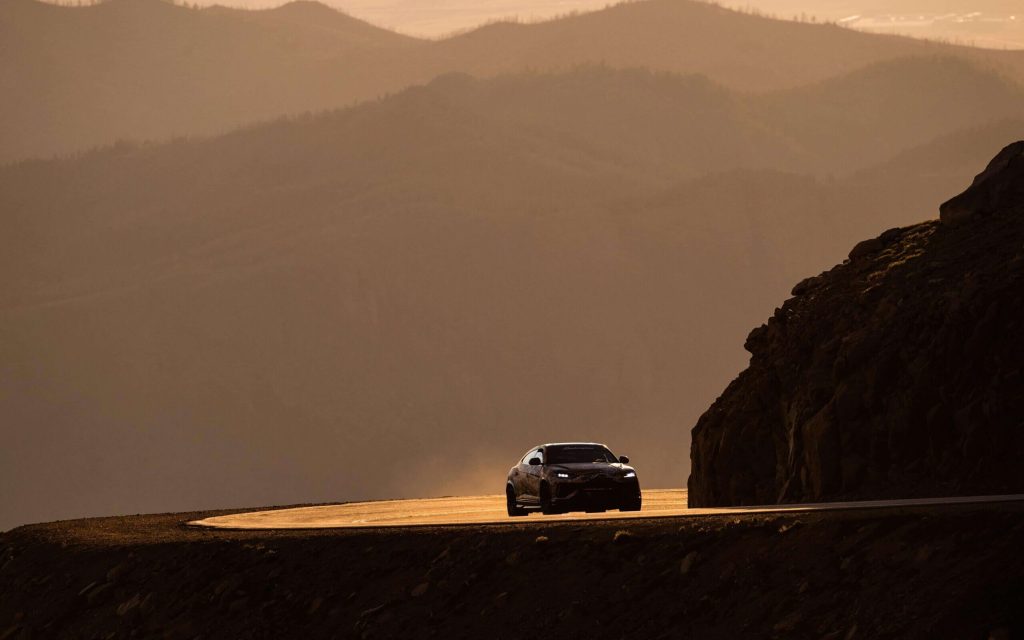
x,y
463,510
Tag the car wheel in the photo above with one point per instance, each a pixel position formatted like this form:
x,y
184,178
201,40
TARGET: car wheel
x,y
545,501
514,510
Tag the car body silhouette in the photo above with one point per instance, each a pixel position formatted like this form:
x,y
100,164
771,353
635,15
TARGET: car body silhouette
x,y
571,476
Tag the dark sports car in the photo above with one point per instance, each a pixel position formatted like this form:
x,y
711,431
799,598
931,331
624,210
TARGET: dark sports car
x,y
571,476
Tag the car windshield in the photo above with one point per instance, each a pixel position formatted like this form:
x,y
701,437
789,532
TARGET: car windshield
x,y
572,453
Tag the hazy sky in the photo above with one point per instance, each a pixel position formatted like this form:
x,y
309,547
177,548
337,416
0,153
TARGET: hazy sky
x,y
981,22
440,17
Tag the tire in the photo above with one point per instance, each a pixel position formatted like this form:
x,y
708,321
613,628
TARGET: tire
x,y
545,501
514,510
632,505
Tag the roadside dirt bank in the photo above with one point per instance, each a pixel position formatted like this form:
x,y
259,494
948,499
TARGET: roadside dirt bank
x,y
922,572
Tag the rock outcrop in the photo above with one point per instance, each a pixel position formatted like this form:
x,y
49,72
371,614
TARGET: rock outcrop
x,y
1000,185
897,373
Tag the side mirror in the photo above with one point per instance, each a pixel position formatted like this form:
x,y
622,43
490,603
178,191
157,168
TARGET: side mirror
x,y
534,462
624,459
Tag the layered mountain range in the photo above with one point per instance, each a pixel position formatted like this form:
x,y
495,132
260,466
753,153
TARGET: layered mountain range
x,y
74,78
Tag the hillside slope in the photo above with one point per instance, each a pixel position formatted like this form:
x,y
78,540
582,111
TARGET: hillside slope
x,y
897,373
851,121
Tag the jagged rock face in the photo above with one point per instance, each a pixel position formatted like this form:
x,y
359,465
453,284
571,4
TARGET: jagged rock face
x,y
898,373
999,186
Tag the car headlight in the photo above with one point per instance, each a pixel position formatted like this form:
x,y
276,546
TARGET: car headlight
x,y
562,474
630,474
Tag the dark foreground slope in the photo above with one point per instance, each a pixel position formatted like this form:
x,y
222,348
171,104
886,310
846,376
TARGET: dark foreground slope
x,y
937,572
897,373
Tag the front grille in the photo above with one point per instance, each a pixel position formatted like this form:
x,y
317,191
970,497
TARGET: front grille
x,y
602,483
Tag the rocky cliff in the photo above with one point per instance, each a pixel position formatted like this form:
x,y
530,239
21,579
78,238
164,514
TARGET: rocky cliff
x,y
896,373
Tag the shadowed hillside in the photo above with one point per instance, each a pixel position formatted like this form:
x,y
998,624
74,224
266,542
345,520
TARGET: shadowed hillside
x,y
743,51
853,120
347,301
144,69
684,126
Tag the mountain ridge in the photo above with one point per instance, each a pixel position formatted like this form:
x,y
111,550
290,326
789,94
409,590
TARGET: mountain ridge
x,y
185,72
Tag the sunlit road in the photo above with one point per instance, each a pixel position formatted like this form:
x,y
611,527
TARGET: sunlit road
x,y
477,510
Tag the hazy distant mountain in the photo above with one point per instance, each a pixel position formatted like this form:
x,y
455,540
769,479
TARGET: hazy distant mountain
x,y
439,18
941,159
993,24
856,120
667,126
593,125
79,77
673,127
823,7
458,270
740,50
143,69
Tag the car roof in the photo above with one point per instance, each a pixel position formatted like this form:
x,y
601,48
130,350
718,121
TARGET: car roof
x,y
562,444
